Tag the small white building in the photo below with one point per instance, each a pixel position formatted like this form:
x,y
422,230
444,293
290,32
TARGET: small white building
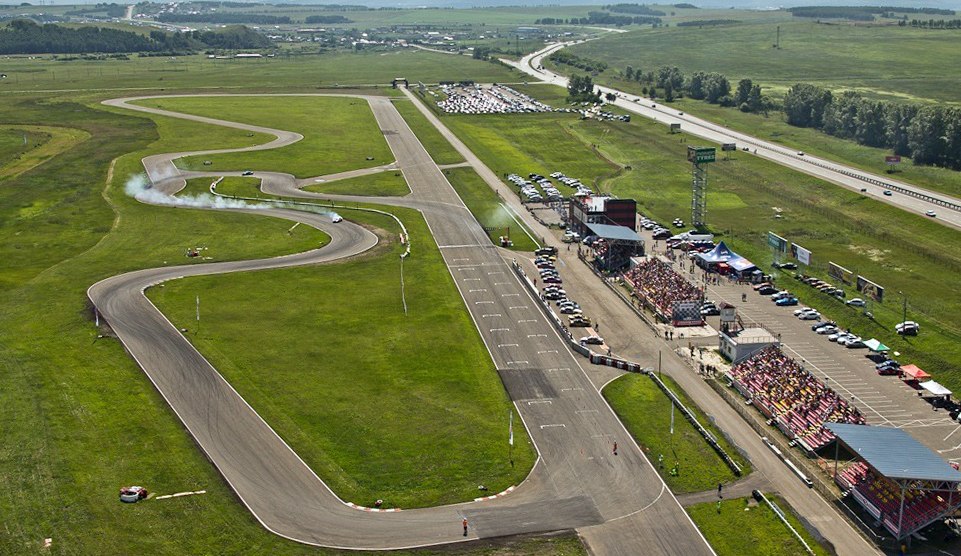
x,y
738,345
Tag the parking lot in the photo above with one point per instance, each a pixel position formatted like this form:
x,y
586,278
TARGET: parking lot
x,y
488,99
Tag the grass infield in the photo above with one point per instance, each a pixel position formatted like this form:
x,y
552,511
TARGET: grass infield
x,y
321,151
346,390
743,527
383,184
646,412
488,209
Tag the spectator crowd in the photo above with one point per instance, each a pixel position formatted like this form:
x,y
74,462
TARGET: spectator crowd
x,y
662,287
785,391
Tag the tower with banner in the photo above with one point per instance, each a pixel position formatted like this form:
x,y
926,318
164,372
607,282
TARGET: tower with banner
x,y
699,157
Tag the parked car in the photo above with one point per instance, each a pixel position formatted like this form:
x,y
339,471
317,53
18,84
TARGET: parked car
x,y
826,329
907,328
546,251
810,316
579,320
855,343
709,309
821,323
856,302
553,280
596,340
767,290
786,301
761,285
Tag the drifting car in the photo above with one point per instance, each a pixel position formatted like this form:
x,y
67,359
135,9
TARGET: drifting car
x,y
247,173
931,213
335,218
133,494
595,340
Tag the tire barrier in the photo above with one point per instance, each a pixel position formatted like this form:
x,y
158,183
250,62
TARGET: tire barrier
x,y
697,425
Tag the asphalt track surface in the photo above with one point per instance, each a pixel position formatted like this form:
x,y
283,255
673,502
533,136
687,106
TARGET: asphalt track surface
x,y
834,172
617,502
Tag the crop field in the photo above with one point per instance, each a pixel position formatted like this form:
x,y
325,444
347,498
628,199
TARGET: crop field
x,y
331,390
646,412
839,56
291,73
902,252
738,526
320,152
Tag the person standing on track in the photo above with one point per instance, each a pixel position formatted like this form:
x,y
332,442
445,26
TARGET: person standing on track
x,y
465,526
615,448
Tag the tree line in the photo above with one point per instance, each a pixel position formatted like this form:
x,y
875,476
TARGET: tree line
x,y
586,64
601,18
860,13
712,87
638,9
223,17
580,88
933,23
24,36
928,134
326,19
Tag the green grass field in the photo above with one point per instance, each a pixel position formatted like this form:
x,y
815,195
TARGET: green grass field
x,y
646,412
386,184
290,73
320,152
489,209
744,528
360,373
15,142
900,251
835,56
437,147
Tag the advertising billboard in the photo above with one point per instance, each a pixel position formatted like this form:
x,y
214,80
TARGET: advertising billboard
x,y
892,159
729,147
840,273
802,255
870,289
701,155
777,242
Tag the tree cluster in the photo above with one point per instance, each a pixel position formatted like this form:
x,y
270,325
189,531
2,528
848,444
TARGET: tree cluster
x,y
637,9
586,64
686,6
326,19
481,53
928,134
580,88
933,23
860,13
109,10
23,36
601,18
712,87
224,17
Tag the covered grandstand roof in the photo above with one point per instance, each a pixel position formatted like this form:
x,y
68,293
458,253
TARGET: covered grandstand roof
x,y
894,453
621,233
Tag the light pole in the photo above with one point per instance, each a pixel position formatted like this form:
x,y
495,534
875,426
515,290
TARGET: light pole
x,y
904,314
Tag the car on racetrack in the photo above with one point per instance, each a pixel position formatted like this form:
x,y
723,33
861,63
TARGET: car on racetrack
x,y
595,340
335,218
247,173
931,213
786,301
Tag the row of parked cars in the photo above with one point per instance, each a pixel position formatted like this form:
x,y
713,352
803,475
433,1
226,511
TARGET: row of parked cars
x,y
820,285
553,291
529,189
657,231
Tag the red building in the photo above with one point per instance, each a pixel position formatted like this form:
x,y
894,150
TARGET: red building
x,y
601,209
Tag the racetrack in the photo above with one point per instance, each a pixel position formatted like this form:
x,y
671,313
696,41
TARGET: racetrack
x,y
619,501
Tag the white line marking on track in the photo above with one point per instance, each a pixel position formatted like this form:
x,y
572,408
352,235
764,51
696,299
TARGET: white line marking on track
x,y
553,425
517,306
490,315
539,401
500,329
586,411
506,345
472,291
518,362
537,335
510,294
528,320
482,302
547,351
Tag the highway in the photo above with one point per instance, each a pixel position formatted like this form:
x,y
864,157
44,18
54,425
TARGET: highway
x,y
908,197
619,501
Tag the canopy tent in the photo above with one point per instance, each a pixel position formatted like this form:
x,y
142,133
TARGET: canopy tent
x,y
720,254
877,346
740,264
935,388
913,372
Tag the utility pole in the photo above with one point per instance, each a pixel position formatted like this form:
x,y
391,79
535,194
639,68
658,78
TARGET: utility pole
x,y
777,44
904,314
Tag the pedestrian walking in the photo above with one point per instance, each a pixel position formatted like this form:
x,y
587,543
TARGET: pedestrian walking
x,y
465,526
719,487
615,448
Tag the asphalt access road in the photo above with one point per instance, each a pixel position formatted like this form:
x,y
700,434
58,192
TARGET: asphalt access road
x,y
577,482
828,170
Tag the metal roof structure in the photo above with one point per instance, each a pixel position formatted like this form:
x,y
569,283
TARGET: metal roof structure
x,y
894,453
618,233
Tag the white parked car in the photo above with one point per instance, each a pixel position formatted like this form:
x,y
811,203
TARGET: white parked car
x,y
856,302
814,315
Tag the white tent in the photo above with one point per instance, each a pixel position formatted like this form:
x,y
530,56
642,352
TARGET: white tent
x,y
935,388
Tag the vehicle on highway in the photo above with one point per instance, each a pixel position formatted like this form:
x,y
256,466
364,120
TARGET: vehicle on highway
x,y
786,301
856,302
887,193
247,173
931,213
800,153
595,340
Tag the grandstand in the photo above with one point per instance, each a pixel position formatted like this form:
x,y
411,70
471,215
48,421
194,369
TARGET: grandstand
x,y
797,402
898,481
662,289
